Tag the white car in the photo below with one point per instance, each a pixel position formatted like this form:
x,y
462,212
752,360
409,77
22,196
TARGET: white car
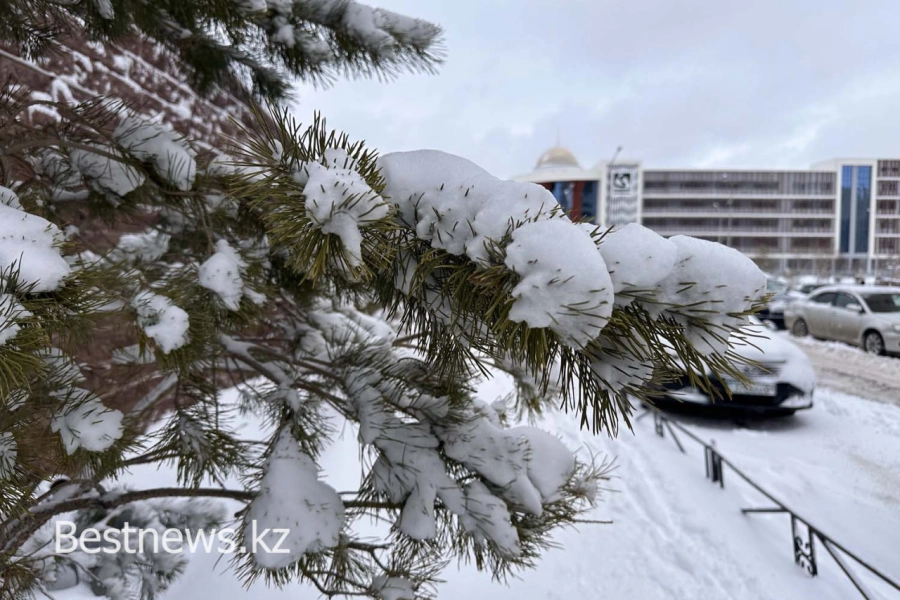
x,y
862,315
782,384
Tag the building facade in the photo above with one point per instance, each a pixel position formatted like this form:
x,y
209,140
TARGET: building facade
x,y
841,217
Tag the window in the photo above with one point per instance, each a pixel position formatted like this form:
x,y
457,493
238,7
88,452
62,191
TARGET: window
x,y
883,303
863,193
856,193
589,200
842,300
563,191
824,298
889,168
888,188
846,191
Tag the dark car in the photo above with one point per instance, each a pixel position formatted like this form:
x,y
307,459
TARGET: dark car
x,y
782,384
773,312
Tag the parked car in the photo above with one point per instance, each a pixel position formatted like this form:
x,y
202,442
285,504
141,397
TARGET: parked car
x,y
865,316
809,288
773,312
782,381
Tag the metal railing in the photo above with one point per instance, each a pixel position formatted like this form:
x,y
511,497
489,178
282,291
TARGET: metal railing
x,y
803,533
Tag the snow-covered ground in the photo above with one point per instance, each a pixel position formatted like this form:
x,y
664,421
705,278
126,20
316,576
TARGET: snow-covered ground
x,y
851,370
675,535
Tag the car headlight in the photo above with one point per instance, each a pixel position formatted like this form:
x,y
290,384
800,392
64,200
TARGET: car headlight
x,y
896,327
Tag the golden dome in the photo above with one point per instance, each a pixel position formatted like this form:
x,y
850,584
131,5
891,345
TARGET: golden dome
x,y
557,157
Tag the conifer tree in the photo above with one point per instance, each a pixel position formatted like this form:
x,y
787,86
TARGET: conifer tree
x,y
330,285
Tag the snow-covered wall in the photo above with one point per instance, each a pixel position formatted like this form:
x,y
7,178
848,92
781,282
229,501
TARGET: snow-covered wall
x,y
136,71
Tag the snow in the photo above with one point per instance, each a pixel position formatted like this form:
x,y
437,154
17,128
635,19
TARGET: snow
x,y
339,201
487,518
171,156
550,463
253,5
837,464
106,174
162,321
410,469
637,258
105,8
144,247
360,20
760,344
568,287
221,273
709,281
377,29
455,204
529,466
563,286
90,425
9,198
11,313
285,35
28,244
7,454
673,535
851,370
500,458
292,497
393,588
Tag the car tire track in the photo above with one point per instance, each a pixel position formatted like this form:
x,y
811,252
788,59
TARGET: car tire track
x,y
852,371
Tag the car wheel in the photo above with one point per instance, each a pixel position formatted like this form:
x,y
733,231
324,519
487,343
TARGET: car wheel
x,y
874,343
800,329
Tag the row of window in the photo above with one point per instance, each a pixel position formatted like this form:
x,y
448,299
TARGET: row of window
x,y
888,207
889,168
742,224
887,226
740,182
737,205
888,188
765,245
890,246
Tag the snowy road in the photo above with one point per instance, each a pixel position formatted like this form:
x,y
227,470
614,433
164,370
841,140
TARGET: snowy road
x,y
850,370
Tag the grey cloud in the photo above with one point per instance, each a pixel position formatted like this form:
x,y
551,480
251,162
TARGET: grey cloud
x,y
779,83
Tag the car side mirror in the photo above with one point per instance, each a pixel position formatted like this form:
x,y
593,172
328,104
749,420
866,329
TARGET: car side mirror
x,y
855,307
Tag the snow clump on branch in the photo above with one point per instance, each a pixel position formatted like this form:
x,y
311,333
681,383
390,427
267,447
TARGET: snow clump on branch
x,y
339,201
292,497
169,153
29,246
221,273
162,321
567,281
90,425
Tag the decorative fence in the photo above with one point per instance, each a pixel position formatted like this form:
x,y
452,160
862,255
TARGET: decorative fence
x,y
803,533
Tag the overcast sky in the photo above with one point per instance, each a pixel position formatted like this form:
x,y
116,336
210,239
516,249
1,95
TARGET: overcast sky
x,y
678,83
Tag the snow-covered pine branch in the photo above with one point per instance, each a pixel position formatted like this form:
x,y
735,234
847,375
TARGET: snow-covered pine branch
x,y
335,289
248,46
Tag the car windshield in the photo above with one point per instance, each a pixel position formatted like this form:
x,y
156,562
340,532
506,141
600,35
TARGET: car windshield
x,y
883,303
773,285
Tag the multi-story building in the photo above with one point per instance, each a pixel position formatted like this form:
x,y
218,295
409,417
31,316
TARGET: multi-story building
x,y
841,217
